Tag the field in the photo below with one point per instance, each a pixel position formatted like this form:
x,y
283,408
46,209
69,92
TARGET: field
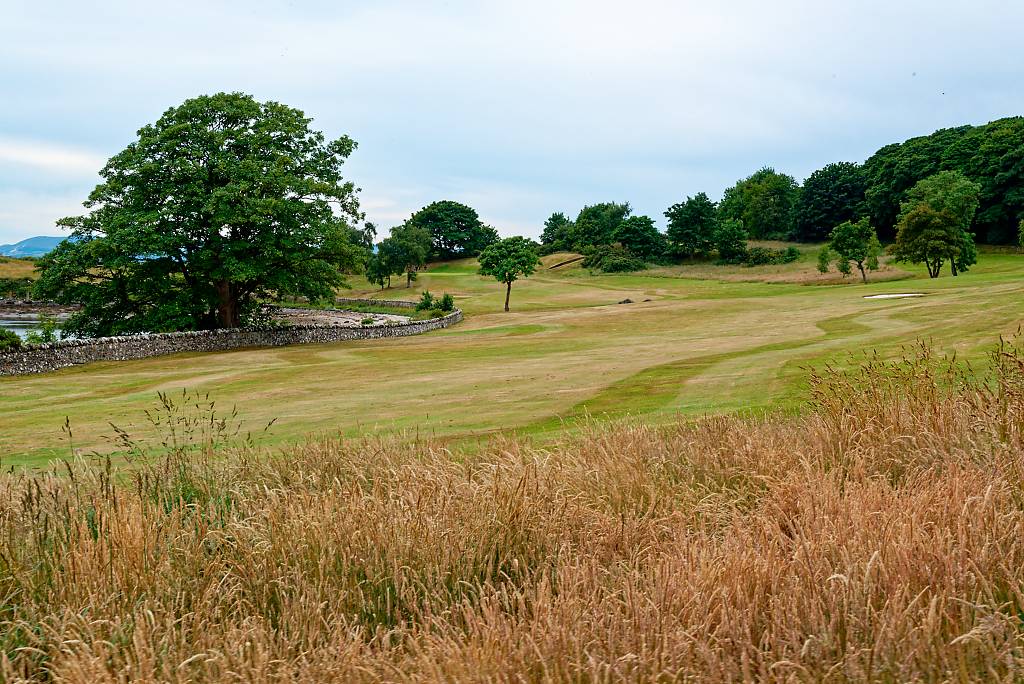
x,y
16,268
567,352
877,537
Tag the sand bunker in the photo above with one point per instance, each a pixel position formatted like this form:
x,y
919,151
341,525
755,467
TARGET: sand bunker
x,y
895,296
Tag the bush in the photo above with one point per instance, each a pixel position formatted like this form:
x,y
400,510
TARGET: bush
x,y
447,303
16,288
9,341
761,256
612,259
368,321
46,333
426,301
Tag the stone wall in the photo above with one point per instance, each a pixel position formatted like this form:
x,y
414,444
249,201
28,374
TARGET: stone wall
x,y
41,358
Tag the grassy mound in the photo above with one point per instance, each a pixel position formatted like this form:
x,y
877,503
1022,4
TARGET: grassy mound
x,y
875,538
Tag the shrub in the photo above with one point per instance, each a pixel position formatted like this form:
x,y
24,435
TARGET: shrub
x,y
9,341
758,256
426,301
447,303
368,321
761,256
612,259
16,288
46,333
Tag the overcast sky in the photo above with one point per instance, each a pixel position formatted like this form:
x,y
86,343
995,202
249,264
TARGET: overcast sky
x,y
516,108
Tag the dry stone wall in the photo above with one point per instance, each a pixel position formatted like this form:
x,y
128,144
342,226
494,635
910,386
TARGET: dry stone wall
x,y
41,358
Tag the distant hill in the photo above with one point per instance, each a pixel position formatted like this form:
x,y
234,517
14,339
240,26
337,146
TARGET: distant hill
x,y
31,247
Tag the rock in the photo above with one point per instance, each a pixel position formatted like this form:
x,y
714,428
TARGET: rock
x,y
626,301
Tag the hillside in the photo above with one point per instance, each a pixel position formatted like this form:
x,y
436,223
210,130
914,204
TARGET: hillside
x,y
31,247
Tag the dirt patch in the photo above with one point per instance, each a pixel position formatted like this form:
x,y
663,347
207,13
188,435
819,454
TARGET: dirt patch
x,y
335,317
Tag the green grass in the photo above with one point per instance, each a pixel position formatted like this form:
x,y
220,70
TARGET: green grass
x,y
709,340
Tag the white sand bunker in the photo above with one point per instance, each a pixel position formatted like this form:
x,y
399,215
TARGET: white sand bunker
x,y
900,295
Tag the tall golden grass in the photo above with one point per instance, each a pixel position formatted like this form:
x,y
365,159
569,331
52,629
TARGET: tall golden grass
x,y
879,537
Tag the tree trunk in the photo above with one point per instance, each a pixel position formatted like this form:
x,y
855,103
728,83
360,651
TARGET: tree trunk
x,y
508,293
952,266
863,275
408,279
228,315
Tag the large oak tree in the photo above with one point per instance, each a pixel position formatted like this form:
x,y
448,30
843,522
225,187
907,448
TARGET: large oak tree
x,y
222,201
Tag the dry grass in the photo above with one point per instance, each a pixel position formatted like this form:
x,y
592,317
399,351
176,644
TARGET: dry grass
x,y
878,538
17,268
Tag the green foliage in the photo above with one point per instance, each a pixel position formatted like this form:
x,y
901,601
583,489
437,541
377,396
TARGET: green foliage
x,y
692,225
955,200
762,256
830,196
16,288
9,340
447,303
1020,234
558,233
612,259
992,155
368,321
731,241
426,301
508,260
765,202
639,235
596,224
46,332
854,243
378,270
926,236
455,229
406,251
222,202
824,259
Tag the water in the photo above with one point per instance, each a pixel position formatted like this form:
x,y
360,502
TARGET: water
x,y
22,325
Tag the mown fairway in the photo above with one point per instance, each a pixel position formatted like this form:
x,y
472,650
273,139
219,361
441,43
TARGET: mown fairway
x,y
566,351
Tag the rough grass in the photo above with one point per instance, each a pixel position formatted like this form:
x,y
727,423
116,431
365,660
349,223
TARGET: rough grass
x,y
566,350
17,268
879,537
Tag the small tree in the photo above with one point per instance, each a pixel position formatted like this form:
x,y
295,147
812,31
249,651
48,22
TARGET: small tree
x,y
731,241
1020,234
824,259
639,235
508,260
857,244
378,270
956,198
692,225
407,250
927,236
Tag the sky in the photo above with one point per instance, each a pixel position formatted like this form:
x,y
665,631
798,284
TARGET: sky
x,y
518,109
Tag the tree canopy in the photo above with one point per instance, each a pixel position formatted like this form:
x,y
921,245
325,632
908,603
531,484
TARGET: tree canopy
x,y
991,155
509,260
639,235
830,196
857,244
765,202
455,229
692,225
222,201
558,233
596,224
952,200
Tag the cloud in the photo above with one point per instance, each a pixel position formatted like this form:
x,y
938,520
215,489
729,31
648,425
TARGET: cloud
x,y
523,108
49,157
